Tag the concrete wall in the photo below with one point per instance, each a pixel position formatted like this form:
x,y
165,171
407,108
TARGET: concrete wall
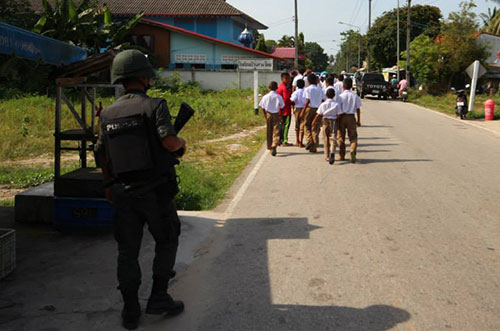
x,y
224,79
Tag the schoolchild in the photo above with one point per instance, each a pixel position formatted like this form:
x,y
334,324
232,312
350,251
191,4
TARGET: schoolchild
x,y
271,104
298,100
314,96
338,86
328,84
284,89
327,113
300,75
350,108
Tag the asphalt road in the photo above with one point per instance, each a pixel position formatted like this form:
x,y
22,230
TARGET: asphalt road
x,y
406,239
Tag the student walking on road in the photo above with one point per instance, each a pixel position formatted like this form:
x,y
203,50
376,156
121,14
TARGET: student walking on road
x,y
298,100
286,112
314,97
327,113
338,86
351,106
271,104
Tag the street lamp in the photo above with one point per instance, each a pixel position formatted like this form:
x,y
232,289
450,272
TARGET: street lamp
x,y
359,39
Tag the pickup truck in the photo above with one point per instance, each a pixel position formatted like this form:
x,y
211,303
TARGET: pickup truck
x,y
373,83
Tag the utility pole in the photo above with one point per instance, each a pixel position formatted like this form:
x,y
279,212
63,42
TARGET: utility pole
x,y
408,36
399,51
296,62
369,27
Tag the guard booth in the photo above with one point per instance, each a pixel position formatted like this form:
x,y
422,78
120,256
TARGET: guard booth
x,y
79,200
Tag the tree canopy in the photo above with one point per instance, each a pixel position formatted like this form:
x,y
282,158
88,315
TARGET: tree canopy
x,y
444,61
382,35
316,54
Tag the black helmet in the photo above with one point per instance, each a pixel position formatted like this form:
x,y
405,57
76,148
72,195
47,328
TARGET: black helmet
x,y
131,64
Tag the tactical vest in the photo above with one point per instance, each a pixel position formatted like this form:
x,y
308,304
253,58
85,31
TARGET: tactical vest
x,y
135,153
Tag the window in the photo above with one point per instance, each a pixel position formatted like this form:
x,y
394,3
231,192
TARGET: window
x,y
229,66
179,65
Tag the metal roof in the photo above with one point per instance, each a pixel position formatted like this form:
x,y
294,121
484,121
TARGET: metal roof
x,y
28,45
200,8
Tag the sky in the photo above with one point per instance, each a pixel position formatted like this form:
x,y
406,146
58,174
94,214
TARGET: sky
x,y
318,19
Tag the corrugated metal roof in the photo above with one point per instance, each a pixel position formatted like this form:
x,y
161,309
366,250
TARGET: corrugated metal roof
x,y
286,53
169,8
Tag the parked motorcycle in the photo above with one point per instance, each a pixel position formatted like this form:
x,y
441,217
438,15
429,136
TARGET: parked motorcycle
x,y
461,106
404,96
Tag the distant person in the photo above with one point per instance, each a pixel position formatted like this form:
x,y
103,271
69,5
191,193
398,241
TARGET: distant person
x,y
285,90
403,85
327,113
299,76
394,83
299,101
271,104
350,107
338,86
329,84
314,98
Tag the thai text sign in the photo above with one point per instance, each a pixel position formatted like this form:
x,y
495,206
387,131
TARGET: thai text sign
x,y
256,64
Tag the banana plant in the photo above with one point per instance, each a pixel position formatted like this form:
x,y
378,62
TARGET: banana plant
x,y
87,25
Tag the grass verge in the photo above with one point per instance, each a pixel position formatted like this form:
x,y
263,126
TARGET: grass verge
x,y
446,103
207,171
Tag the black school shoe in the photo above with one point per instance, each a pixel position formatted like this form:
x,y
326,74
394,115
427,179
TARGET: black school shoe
x,y
331,159
308,146
353,157
162,303
273,151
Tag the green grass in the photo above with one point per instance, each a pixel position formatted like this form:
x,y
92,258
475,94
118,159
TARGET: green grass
x,y
446,103
18,177
7,203
207,171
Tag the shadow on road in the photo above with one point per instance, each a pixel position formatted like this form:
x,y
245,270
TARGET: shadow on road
x,y
241,294
369,161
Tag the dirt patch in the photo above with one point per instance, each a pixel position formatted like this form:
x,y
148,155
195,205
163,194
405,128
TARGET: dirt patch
x,y
44,160
239,135
9,193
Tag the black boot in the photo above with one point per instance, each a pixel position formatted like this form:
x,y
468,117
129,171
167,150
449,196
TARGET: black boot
x,y
160,302
131,309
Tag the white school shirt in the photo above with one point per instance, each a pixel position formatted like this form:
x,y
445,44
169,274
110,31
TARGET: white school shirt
x,y
329,109
326,88
272,102
338,86
296,79
315,95
299,98
350,102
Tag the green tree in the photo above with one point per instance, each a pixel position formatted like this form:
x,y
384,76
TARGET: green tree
x,y
459,46
443,61
260,44
382,36
426,60
316,54
86,25
286,41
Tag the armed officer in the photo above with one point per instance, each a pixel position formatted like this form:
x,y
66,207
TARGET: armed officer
x,y
139,148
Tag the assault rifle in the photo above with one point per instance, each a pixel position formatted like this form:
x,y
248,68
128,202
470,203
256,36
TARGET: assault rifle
x,y
184,115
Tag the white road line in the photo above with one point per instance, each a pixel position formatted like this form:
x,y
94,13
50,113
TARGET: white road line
x,y
458,120
237,198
